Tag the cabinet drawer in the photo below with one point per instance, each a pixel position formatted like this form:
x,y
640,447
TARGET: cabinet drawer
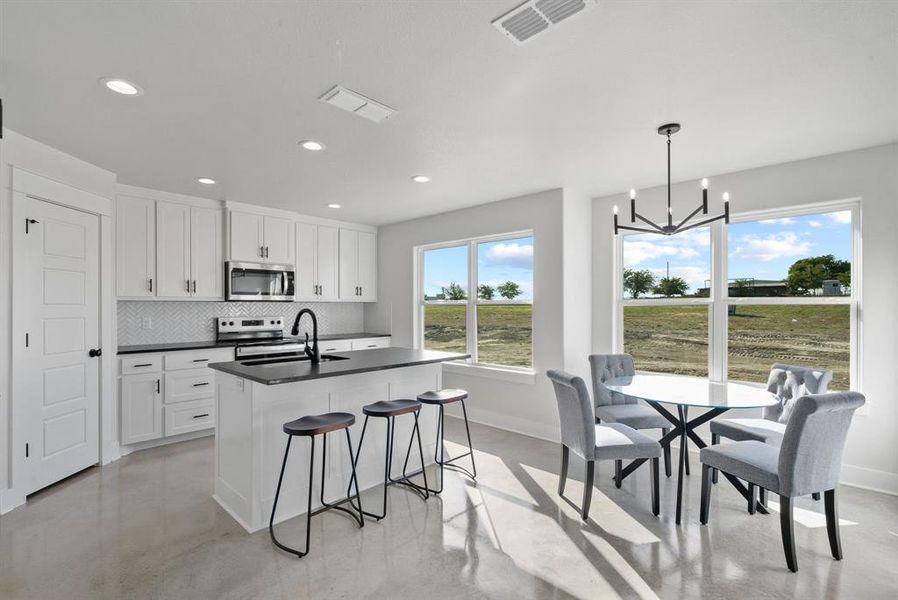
x,y
182,386
191,359
335,346
369,343
189,416
132,365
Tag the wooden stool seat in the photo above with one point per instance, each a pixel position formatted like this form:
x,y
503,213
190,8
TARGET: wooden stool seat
x,y
442,396
318,424
391,408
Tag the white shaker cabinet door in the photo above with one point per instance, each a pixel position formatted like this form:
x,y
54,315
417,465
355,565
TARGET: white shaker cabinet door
x,y
349,264
141,407
306,261
173,250
135,247
367,266
278,240
245,235
206,266
328,258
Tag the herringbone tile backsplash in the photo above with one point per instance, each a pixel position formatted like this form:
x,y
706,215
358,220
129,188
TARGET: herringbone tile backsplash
x,y
195,321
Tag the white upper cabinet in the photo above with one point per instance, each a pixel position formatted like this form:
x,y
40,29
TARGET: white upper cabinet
x,y
173,250
358,265
135,232
246,237
316,262
261,238
206,264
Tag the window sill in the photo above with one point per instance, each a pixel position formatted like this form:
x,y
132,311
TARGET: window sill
x,y
522,376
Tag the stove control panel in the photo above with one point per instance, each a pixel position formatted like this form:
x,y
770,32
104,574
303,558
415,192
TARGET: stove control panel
x,y
248,324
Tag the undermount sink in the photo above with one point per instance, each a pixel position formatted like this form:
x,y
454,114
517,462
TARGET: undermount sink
x,y
289,359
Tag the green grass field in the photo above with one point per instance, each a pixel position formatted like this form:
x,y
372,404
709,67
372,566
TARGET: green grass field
x,y
504,331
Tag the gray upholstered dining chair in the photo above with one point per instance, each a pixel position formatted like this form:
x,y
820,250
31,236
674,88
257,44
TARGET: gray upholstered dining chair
x,y
808,460
788,383
593,442
613,407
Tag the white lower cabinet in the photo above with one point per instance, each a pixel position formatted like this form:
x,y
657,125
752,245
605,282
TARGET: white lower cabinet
x,y
189,416
370,343
335,346
141,407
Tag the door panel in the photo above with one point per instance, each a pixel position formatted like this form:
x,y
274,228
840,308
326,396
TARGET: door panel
x,y
172,249
55,323
206,265
367,266
135,246
328,257
278,240
245,237
349,264
306,260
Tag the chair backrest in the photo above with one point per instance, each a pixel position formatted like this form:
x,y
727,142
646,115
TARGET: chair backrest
x,y
577,414
811,452
609,366
791,382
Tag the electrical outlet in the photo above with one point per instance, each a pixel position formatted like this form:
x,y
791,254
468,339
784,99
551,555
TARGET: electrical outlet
x,y
147,323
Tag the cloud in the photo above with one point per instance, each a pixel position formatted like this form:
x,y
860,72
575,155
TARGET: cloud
x,y
781,221
841,217
511,254
772,247
688,245
815,224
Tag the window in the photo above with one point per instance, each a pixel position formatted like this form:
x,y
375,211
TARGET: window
x,y
477,297
790,296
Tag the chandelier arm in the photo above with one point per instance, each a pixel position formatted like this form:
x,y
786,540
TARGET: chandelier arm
x,y
646,221
700,223
639,229
692,214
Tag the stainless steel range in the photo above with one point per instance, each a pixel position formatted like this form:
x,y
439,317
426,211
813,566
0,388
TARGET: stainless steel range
x,y
258,337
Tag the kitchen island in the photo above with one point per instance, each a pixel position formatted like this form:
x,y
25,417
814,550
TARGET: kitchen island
x,y
256,397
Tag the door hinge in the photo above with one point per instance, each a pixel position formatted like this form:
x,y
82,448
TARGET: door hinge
x,y
30,222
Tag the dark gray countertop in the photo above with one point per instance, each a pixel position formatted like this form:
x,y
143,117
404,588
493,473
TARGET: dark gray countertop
x,y
201,345
360,361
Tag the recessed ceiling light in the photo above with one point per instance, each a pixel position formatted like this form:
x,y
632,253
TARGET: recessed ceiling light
x,y
312,145
420,178
206,180
334,205
122,86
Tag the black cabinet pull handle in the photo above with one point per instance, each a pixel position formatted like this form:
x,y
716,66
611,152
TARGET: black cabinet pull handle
x,y
144,365
194,286
201,416
201,360
151,284
158,386
200,384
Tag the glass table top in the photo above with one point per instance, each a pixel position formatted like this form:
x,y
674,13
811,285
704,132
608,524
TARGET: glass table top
x,y
692,391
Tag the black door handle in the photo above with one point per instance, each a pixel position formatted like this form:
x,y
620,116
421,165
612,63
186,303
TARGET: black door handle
x,y
95,352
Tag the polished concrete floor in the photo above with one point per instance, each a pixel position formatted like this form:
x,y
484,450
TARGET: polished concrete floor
x,y
147,527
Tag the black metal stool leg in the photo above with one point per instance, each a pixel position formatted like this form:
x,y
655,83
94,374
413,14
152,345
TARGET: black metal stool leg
x,y
449,464
324,505
355,464
277,494
422,491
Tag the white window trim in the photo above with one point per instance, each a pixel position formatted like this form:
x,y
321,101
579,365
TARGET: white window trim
x,y
471,366
719,299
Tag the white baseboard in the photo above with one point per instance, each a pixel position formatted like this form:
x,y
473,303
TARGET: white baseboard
x,y
10,499
870,479
128,449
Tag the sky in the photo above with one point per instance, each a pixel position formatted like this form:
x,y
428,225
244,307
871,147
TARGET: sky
x,y
497,262
757,249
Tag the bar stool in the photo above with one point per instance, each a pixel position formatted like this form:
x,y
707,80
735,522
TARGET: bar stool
x,y
310,426
441,398
389,410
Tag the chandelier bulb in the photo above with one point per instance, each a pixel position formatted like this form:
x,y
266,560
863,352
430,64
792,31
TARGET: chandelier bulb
x,y
615,209
632,194
705,183
726,196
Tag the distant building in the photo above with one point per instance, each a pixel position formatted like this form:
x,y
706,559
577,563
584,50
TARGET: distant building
x,y
748,288
832,287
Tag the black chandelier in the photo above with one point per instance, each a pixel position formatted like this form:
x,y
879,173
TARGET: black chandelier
x,y
670,228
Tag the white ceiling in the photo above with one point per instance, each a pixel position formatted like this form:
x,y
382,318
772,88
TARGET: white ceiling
x,y
231,87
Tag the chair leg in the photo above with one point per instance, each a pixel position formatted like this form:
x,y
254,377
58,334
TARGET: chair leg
x,y
685,439
706,494
618,467
788,528
587,488
715,439
816,496
562,477
832,523
665,431
751,498
656,503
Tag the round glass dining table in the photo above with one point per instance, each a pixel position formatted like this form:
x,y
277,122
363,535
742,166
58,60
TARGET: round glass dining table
x,y
660,391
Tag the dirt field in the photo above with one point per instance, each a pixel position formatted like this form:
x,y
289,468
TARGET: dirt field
x,y
504,331
674,339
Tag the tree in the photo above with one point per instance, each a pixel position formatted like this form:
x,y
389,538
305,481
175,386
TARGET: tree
x,y
671,286
509,290
809,273
485,292
454,292
638,282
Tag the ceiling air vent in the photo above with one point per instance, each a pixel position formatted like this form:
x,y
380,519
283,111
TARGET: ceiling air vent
x,y
530,19
357,104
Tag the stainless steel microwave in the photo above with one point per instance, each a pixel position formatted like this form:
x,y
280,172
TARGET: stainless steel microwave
x,y
257,282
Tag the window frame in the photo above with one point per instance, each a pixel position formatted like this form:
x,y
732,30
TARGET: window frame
x,y
470,303
719,299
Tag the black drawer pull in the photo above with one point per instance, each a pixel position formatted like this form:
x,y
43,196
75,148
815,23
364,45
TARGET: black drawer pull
x,y
201,416
144,365
200,384
201,360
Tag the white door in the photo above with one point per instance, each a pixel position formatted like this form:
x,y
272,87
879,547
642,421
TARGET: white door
x,y
306,260
246,237
135,247
328,257
349,264
278,239
173,250
55,325
206,266
367,266
141,407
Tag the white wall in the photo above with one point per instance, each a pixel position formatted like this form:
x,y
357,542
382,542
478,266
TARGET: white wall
x,y
871,456
24,153
577,237
524,407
